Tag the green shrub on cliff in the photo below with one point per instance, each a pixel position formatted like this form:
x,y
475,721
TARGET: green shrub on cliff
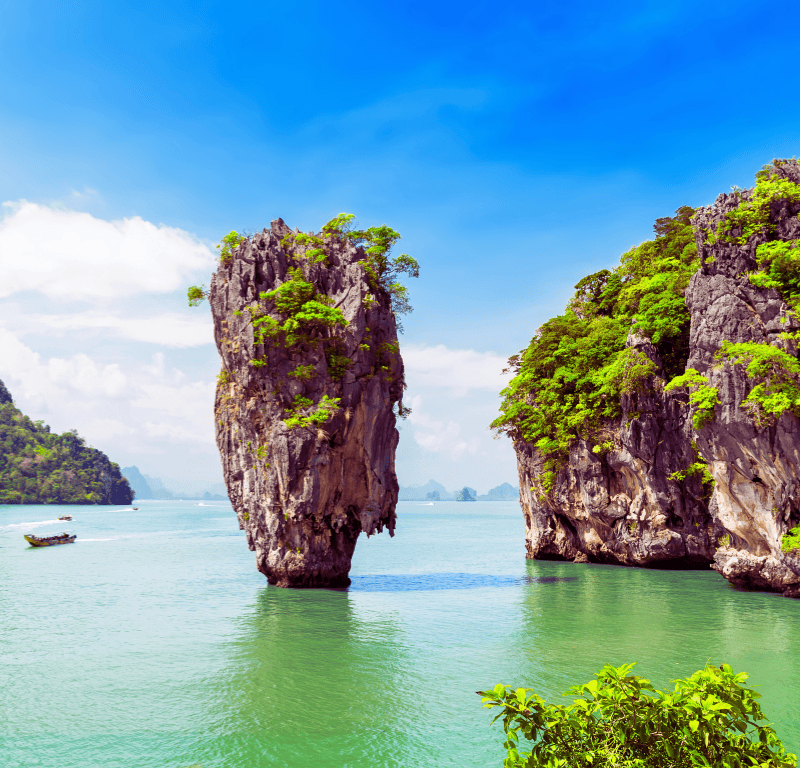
x,y
754,214
576,368
790,541
620,720
381,267
777,374
702,395
779,262
303,309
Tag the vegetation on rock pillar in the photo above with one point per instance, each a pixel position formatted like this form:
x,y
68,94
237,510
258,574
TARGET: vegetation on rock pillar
x,y
777,374
297,316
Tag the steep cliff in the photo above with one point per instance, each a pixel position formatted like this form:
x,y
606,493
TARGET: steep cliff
x,y
311,383
679,446
631,501
743,314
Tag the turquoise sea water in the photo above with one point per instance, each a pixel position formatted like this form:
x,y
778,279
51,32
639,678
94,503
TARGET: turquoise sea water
x,y
153,641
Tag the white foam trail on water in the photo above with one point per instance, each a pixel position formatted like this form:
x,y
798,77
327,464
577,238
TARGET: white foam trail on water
x,y
113,538
37,524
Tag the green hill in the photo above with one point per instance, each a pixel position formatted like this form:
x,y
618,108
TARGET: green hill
x,y
39,467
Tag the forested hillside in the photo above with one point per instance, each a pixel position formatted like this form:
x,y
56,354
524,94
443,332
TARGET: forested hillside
x,y
39,467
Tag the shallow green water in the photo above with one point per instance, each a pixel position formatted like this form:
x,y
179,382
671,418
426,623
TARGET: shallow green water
x,y
153,641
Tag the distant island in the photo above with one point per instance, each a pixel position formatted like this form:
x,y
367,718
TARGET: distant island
x,y
147,487
433,491
39,467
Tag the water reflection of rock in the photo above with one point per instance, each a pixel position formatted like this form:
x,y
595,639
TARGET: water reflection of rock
x,y
311,676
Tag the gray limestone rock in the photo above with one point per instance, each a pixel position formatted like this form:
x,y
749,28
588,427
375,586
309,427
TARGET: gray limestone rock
x,y
304,494
756,468
620,506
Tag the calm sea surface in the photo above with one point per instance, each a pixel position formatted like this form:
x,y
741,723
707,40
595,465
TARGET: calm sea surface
x,y
153,642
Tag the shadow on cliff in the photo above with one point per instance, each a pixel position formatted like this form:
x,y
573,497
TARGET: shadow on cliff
x,y
428,582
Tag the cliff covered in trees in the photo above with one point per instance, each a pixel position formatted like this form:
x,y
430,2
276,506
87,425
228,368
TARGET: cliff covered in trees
x,y
656,421
39,467
311,384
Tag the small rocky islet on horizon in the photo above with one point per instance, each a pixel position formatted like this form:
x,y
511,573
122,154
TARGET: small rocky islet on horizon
x,y
655,422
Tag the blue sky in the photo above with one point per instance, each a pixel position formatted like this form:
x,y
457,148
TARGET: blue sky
x,y
516,147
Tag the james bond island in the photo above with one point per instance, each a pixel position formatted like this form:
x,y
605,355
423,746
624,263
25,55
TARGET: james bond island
x,y
311,386
656,421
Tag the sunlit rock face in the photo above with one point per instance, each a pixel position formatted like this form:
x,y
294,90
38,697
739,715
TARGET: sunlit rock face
x,y
303,493
756,468
621,506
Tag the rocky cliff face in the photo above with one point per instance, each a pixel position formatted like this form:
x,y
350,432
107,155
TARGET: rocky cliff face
x,y
756,467
626,504
304,410
620,505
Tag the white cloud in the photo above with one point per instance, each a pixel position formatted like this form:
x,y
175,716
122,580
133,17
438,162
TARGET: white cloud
x,y
168,329
78,372
458,369
125,409
83,374
65,253
439,436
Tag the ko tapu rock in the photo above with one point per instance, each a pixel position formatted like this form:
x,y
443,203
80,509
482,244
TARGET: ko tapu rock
x,y
656,422
310,389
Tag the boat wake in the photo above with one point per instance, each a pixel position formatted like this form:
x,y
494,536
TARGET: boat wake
x,y
37,524
111,538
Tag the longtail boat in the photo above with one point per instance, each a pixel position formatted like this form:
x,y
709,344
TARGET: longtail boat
x,y
49,541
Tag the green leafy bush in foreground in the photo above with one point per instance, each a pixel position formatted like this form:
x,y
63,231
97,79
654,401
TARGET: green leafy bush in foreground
x,y
621,720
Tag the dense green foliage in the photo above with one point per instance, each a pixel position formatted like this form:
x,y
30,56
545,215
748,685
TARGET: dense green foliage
x,y
465,494
39,467
571,377
228,244
790,541
304,311
381,267
777,374
779,263
619,720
